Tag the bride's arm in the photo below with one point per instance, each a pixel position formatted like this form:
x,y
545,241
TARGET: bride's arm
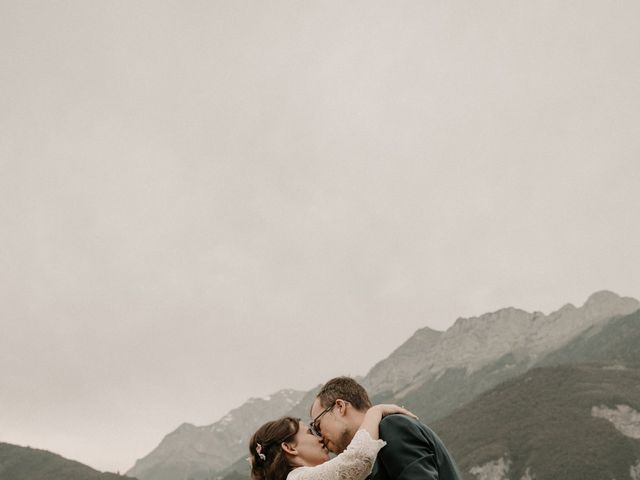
x,y
354,463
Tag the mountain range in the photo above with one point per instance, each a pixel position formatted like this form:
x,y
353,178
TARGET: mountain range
x,y
574,415
433,373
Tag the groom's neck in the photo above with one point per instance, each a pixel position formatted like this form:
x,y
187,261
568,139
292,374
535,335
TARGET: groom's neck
x,y
357,418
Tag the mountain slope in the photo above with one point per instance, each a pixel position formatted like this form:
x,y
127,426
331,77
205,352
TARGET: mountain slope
x,y
192,452
25,463
617,341
404,364
557,422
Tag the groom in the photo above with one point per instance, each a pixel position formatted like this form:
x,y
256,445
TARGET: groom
x,y
413,451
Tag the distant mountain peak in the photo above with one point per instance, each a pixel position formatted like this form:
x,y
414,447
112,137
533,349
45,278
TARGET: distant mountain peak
x,y
567,306
429,330
602,296
287,394
505,312
501,315
605,301
396,370
185,427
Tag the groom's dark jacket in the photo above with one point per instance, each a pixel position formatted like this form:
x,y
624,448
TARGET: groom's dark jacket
x,y
413,452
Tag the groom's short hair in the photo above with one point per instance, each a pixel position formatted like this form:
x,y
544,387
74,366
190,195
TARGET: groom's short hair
x,y
345,388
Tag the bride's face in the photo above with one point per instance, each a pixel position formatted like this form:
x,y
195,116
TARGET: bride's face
x,y
311,450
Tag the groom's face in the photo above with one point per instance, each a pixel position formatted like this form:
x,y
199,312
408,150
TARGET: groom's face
x,y
333,428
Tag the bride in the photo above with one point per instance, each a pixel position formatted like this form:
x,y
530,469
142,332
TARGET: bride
x,y
287,449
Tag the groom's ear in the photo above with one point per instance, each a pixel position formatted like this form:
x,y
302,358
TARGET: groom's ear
x,y
341,406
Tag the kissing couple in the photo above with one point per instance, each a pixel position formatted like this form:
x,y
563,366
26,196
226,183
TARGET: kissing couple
x,y
381,442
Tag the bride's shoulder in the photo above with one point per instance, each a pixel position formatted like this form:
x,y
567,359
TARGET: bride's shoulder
x,y
296,473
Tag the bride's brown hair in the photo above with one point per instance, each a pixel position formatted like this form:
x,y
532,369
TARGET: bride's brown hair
x,y
268,460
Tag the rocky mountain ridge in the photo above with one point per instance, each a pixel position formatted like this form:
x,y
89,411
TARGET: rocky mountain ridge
x,y
473,343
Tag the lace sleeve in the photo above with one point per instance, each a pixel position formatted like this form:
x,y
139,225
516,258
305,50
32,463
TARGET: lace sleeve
x,y
355,463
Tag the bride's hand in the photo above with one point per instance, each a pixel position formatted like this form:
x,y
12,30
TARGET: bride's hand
x,y
388,409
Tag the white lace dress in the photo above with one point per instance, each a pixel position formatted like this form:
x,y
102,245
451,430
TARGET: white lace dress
x,y
355,463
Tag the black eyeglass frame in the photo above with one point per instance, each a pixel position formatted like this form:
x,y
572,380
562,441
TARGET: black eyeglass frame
x,y
313,424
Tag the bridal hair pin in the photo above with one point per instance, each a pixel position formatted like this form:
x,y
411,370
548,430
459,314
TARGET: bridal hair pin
x,y
259,452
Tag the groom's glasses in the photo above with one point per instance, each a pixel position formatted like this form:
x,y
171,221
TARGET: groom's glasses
x,y
314,425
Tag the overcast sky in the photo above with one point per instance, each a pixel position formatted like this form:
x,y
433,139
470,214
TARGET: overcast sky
x,y
206,201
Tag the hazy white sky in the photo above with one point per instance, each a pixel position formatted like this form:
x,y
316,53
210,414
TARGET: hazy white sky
x,y
206,201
